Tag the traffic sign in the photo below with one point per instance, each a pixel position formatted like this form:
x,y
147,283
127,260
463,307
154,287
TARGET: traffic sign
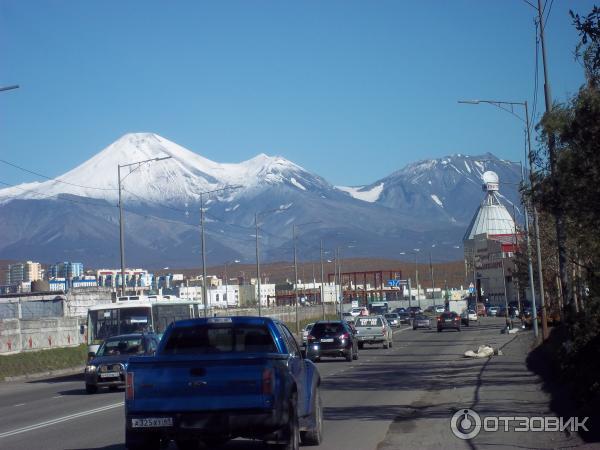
x,y
397,283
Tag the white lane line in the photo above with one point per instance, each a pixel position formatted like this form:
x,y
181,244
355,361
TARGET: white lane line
x,y
57,396
19,404
59,420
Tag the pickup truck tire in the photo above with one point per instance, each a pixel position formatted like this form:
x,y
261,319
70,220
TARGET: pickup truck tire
x,y
141,441
355,355
293,431
391,344
315,436
91,388
386,345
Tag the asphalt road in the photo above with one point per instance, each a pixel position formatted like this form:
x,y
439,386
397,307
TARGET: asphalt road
x,y
379,402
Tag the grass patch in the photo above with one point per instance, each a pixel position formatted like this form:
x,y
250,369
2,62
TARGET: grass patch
x,y
42,361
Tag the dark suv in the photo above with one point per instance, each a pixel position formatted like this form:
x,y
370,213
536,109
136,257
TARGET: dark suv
x,y
448,320
331,338
107,367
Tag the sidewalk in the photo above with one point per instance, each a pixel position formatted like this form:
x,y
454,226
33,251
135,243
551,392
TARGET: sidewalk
x,y
498,386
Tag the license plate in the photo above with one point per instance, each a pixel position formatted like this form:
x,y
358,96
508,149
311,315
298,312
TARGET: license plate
x,y
327,340
109,375
448,320
151,422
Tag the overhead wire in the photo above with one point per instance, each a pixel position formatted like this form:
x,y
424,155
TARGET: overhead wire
x,y
54,179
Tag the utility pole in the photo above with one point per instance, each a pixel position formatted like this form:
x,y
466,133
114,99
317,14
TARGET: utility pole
x,y
296,278
121,222
561,232
121,238
257,265
226,287
530,268
204,291
417,280
536,230
322,281
409,293
339,250
432,283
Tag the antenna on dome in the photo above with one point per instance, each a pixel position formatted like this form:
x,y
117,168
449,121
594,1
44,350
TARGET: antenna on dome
x,y
491,181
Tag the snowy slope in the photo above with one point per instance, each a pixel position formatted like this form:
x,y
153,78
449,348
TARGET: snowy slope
x,y
179,179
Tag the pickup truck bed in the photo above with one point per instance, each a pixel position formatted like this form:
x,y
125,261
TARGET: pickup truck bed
x,y
220,378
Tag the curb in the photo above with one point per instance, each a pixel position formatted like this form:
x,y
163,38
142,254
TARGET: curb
x,y
47,374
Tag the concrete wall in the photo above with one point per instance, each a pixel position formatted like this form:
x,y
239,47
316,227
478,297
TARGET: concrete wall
x,y
79,300
18,335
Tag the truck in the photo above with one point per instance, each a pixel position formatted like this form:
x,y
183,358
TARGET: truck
x,y
216,379
457,306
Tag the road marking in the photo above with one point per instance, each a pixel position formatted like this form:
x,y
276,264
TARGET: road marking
x,y
57,396
59,420
20,404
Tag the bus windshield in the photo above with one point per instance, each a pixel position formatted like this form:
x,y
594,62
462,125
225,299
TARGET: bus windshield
x,y
105,323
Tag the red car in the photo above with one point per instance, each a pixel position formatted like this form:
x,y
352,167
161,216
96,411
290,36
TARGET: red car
x,y
448,320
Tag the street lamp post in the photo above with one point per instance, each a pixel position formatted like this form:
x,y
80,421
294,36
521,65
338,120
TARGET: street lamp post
x,y
235,261
121,222
204,290
256,216
322,280
528,158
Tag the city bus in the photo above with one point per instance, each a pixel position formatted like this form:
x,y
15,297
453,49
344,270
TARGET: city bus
x,y
134,315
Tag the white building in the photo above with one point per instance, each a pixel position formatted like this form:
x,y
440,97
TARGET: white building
x,y
490,243
248,294
222,296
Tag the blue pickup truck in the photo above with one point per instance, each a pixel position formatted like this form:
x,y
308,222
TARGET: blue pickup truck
x,y
216,379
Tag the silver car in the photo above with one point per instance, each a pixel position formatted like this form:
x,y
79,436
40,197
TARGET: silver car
x,y
305,332
373,330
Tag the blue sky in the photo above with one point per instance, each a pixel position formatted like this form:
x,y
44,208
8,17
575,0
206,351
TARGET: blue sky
x,y
350,90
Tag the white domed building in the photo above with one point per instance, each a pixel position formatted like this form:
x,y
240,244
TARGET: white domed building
x,y
490,242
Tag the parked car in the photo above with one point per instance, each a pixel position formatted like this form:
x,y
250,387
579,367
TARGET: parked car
x,y
399,310
404,317
331,338
468,316
216,379
448,320
481,311
355,312
393,319
429,310
348,317
414,310
492,311
108,366
421,321
373,330
440,309
305,332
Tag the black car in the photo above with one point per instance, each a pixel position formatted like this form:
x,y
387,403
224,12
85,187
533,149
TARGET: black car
x,y
404,317
448,320
107,367
331,338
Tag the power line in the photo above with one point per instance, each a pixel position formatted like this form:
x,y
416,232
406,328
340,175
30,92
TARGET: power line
x,y
54,179
549,11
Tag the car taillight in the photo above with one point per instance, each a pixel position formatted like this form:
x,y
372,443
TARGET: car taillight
x,y
267,382
345,336
129,391
310,337
439,319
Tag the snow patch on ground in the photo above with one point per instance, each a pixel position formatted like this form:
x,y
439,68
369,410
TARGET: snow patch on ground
x,y
297,184
232,208
467,166
436,199
370,196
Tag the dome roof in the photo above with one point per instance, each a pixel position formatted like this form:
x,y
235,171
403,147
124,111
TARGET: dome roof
x,y
491,217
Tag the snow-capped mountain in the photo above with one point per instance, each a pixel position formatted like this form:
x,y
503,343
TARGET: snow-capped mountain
x,y
179,179
447,187
75,217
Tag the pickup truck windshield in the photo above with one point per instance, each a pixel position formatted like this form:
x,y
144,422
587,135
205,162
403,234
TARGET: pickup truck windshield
x,y
219,338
